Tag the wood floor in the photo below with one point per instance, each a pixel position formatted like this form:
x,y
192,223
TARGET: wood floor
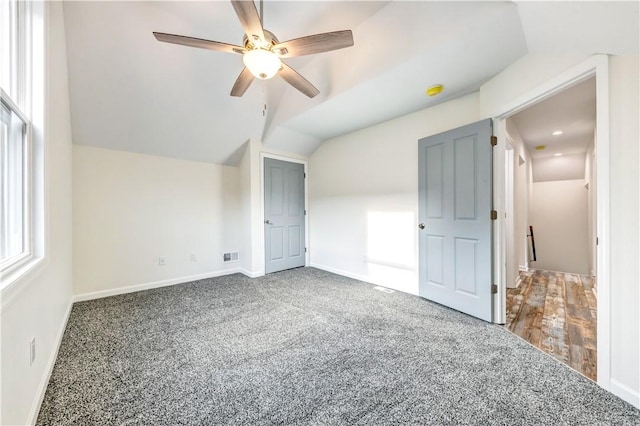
x,y
556,312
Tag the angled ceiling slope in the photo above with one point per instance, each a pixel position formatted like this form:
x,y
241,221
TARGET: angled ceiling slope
x,y
386,75
132,93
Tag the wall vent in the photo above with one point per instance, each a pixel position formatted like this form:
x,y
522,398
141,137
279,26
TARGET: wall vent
x,y
231,257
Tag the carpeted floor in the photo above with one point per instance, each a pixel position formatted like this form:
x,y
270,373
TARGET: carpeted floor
x,y
305,347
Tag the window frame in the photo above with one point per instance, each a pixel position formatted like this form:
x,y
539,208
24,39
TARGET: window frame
x,y
17,260
19,48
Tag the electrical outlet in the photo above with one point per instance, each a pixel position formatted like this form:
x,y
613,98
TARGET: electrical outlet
x,y
162,261
193,257
32,351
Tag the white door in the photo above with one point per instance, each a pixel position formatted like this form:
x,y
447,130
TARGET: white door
x,y
455,184
284,211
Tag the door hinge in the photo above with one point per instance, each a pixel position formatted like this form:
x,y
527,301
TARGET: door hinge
x,y
494,289
305,175
305,249
305,212
494,215
494,141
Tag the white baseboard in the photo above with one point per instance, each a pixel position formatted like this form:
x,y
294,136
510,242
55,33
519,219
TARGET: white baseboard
x,y
625,392
250,274
51,362
516,284
157,284
345,273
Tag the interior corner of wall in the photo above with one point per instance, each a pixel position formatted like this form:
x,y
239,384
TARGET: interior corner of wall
x,y
255,144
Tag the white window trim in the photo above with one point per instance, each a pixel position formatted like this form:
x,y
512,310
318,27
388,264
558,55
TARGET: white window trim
x,y
15,262
31,95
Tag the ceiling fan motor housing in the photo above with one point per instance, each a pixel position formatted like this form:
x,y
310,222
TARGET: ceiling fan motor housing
x,y
271,40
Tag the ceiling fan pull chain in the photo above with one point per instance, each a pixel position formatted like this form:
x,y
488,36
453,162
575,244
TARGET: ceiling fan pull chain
x,y
262,13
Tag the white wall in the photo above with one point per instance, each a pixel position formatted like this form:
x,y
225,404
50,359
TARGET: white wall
x,y
522,189
231,214
517,252
129,209
522,77
363,196
38,304
625,191
559,215
565,167
246,200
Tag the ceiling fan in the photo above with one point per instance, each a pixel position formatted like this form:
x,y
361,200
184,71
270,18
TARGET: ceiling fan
x,y
262,52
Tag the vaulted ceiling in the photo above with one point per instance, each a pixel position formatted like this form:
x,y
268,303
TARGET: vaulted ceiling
x,y
131,92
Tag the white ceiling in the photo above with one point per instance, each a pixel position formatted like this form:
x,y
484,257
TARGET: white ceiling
x,y
573,111
131,92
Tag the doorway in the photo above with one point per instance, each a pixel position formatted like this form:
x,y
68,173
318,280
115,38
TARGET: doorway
x,y
284,215
550,192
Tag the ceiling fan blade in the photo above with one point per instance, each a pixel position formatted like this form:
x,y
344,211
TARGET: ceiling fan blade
x,y
316,43
199,42
292,77
242,83
249,19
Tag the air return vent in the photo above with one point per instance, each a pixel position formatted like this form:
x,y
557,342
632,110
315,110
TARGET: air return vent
x,y
230,257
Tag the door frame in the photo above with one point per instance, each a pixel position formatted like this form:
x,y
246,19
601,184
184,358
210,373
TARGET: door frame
x,y
261,239
509,211
598,66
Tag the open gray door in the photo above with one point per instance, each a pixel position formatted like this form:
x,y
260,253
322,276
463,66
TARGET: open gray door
x,y
284,211
455,172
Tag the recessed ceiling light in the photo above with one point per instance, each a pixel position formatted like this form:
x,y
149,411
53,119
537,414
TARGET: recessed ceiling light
x,y
435,89
540,147
558,154
557,132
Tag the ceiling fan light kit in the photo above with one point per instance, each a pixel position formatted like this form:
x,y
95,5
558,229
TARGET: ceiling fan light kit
x,y
262,63
262,52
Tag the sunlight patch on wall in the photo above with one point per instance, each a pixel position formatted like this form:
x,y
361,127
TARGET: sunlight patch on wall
x,y
391,239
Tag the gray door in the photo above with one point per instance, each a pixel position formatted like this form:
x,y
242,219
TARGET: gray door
x,y
284,212
455,173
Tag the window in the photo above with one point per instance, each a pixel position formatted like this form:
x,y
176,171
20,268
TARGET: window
x,y
14,217
16,174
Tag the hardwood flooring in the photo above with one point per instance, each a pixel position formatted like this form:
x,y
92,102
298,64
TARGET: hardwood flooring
x,y
556,312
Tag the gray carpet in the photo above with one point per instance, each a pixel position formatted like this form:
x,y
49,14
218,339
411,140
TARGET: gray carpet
x,y
305,347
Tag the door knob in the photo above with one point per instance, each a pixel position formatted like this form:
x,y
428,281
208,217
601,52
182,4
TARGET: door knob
x,y
268,222
421,226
